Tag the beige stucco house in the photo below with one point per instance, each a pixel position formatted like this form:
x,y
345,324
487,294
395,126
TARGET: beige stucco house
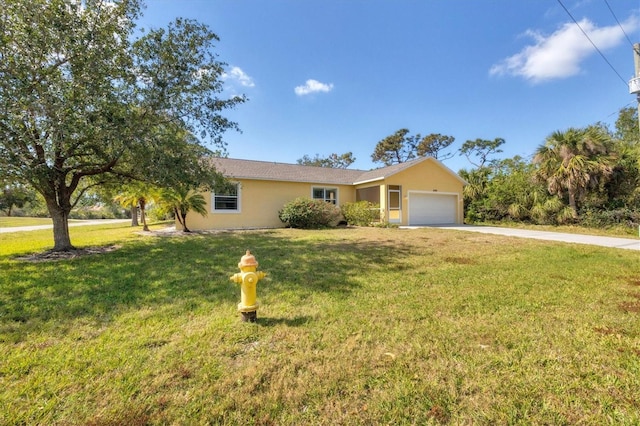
x,y
419,192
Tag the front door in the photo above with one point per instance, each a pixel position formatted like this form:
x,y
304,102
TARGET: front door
x,y
394,202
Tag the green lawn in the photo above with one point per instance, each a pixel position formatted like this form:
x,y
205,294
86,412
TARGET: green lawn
x,y
357,326
609,231
8,222
11,222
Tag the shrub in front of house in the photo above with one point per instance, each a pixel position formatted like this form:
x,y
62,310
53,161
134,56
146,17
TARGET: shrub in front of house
x,y
307,213
361,213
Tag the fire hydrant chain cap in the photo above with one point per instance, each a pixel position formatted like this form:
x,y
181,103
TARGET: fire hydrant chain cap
x,y
248,260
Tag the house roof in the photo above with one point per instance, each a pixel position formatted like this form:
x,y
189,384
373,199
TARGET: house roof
x,y
266,170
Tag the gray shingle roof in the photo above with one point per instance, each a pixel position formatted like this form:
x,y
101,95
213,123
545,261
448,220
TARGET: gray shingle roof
x,y
388,171
266,170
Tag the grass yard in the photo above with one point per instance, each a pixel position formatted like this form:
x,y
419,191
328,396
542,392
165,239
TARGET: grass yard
x,y
12,221
357,326
623,231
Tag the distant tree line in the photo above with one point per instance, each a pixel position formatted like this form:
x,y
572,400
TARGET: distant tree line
x,y
588,176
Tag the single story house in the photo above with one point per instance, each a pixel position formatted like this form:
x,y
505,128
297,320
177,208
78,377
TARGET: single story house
x,y
418,192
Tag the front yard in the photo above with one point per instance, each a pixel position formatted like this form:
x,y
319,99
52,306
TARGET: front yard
x,y
356,326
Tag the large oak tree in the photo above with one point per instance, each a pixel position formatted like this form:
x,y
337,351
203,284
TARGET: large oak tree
x,y
85,103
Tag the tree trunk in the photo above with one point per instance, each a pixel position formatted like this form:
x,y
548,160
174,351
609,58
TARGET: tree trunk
x,y
134,215
184,224
60,218
572,204
182,218
184,212
143,216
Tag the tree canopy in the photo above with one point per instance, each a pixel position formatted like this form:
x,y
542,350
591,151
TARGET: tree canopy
x,y
573,160
401,147
478,151
335,161
13,196
433,144
83,103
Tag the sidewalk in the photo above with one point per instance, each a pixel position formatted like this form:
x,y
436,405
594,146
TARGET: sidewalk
x,y
9,229
614,242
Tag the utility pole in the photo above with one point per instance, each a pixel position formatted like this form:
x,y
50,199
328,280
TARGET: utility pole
x,y
634,83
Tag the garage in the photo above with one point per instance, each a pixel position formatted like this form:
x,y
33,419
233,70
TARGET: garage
x,y
432,209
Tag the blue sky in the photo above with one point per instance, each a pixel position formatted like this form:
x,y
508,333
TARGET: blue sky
x,y
332,76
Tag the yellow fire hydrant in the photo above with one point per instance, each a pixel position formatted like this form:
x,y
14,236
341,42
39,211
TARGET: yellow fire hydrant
x,y
248,279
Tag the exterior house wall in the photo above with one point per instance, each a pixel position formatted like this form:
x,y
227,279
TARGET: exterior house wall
x,y
427,176
260,202
266,187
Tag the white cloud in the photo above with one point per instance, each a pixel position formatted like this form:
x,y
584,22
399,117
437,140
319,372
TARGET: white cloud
x,y
237,74
560,54
313,86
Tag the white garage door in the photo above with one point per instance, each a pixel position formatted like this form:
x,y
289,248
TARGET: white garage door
x,y
432,209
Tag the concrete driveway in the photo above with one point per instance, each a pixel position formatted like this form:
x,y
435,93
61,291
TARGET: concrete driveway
x,y
621,243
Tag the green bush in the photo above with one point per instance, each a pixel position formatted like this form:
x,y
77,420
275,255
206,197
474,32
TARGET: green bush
x,y
90,213
472,215
361,213
605,218
306,213
385,224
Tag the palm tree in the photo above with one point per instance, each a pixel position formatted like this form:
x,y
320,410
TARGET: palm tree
x,y
137,195
182,200
572,161
477,180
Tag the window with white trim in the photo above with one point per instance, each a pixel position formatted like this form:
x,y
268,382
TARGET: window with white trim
x,y
226,200
330,195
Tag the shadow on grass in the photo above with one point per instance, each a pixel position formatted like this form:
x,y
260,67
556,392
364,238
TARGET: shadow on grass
x,y
181,273
289,322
